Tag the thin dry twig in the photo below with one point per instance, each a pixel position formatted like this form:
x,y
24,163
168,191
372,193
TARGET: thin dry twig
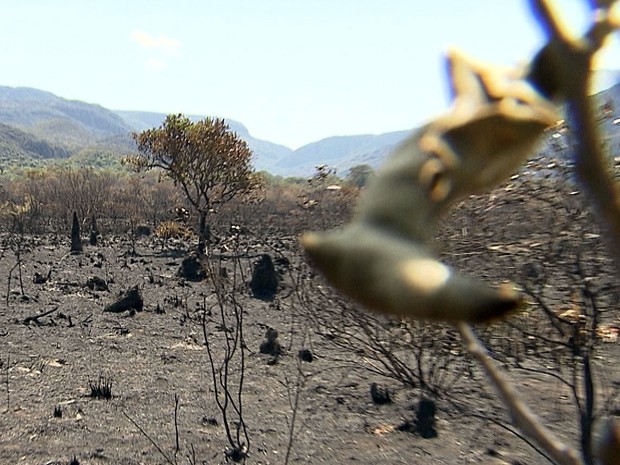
x,y
521,415
151,440
36,317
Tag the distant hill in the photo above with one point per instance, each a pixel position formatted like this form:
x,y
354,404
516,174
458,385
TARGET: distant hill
x,y
345,152
607,107
20,147
37,127
56,119
266,154
340,152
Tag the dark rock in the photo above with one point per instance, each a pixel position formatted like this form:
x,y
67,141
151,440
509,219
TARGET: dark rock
x,y
38,278
191,269
94,231
209,421
265,279
95,283
130,300
182,214
305,355
380,394
407,427
271,346
142,230
271,334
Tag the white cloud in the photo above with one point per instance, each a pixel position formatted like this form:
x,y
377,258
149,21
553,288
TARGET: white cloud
x,y
160,48
164,44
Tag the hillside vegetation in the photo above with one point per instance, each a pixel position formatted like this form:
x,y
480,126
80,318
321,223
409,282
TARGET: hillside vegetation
x,y
38,128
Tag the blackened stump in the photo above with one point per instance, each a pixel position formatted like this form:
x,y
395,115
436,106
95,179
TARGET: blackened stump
x,y
380,394
76,241
265,279
191,269
130,300
425,419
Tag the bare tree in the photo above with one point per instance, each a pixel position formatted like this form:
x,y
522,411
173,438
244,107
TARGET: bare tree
x,y
222,325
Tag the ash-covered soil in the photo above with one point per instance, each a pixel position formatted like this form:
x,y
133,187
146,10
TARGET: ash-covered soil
x,y
158,371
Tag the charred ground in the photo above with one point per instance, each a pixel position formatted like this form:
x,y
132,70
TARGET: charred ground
x,y
350,400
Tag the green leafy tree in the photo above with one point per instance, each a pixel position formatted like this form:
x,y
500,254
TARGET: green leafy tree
x,y
359,175
209,162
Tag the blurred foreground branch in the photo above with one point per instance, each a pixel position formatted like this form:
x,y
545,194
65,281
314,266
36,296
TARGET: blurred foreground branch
x,y
571,60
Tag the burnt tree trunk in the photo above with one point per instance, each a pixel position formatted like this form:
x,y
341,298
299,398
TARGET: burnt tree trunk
x,y
204,232
76,241
94,231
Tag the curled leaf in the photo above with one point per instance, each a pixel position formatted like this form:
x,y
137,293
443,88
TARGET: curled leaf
x,y
383,258
393,275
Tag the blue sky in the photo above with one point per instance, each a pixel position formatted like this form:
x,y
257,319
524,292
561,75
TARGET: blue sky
x,y
292,71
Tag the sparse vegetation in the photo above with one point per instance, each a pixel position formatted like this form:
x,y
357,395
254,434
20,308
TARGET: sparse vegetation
x,y
101,388
379,390
166,349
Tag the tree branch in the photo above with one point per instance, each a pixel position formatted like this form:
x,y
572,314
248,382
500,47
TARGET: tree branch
x,y
521,415
572,59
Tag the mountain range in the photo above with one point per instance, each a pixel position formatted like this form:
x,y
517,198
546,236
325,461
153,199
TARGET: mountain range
x,y
38,127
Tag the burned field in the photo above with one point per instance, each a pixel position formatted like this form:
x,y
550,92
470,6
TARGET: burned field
x,y
133,351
